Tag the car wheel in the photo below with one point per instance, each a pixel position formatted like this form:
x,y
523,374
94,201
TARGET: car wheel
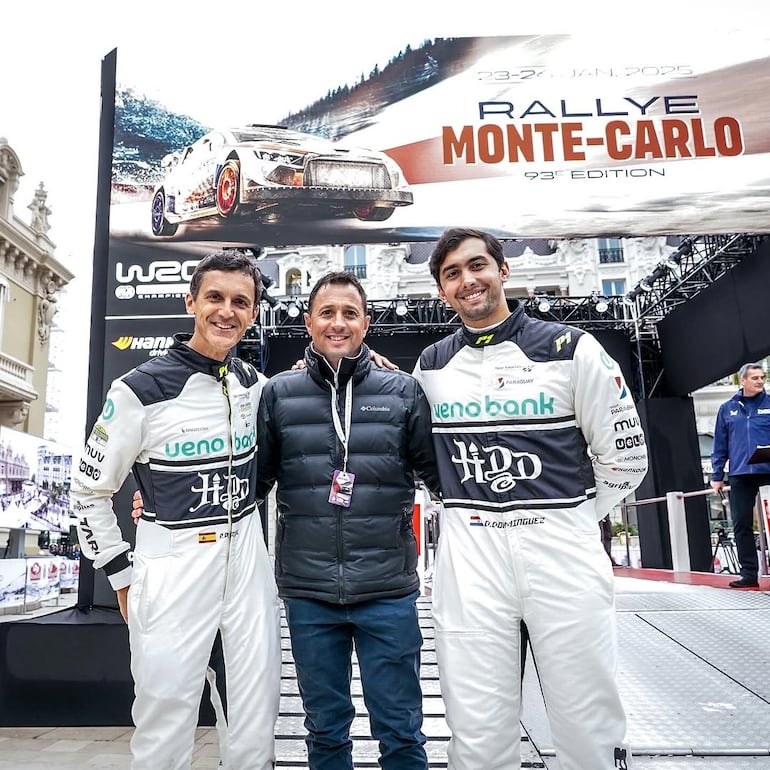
x,y
228,189
161,225
374,213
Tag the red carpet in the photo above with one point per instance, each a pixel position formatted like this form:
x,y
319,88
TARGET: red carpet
x,y
689,578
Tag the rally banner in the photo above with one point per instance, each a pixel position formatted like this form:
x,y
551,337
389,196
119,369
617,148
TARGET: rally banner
x,y
539,136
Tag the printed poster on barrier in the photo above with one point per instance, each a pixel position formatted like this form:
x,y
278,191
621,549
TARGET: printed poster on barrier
x,y
13,580
34,482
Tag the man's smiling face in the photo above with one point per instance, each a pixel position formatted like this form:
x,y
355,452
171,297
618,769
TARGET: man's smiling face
x,y
471,281
337,322
224,309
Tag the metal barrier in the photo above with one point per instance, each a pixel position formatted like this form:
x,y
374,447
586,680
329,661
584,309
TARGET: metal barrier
x,y
677,525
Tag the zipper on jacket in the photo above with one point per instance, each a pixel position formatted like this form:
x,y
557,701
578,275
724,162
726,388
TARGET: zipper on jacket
x,y
338,522
229,485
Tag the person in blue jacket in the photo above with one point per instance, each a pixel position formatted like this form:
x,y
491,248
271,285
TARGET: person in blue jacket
x,y
742,425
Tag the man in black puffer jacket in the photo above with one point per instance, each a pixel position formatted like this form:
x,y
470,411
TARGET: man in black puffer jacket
x,y
342,439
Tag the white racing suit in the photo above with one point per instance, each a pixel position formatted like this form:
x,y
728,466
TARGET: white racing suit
x,y
186,426
537,438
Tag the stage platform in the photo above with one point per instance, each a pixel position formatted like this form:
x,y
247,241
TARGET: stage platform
x,y
694,676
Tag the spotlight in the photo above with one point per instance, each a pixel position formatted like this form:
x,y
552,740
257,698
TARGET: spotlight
x,y
673,262
684,250
544,305
293,310
401,308
601,304
267,282
646,283
632,295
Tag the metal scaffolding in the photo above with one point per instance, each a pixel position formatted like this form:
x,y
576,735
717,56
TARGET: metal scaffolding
x,y
697,262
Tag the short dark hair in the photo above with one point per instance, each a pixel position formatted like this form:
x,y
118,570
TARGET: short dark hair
x,y
452,238
228,260
337,277
746,368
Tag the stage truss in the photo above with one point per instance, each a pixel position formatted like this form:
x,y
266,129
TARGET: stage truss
x,y
696,263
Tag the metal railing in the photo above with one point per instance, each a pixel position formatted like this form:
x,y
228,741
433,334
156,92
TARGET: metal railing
x,y
610,256
677,525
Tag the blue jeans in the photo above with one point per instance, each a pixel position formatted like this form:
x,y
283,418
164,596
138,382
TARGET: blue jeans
x,y
387,639
743,494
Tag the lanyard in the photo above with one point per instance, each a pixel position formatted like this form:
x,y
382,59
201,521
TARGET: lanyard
x,y
343,433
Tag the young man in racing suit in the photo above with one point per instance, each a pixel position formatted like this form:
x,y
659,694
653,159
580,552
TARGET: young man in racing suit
x,y
186,425
537,438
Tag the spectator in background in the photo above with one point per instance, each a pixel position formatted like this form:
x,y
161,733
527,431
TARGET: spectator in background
x,y
743,424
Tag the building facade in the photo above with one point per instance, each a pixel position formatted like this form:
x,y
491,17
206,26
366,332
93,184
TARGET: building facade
x,y
31,279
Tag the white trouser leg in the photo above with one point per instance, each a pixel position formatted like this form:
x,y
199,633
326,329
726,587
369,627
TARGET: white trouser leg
x,y
478,654
251,640
174,609
570,615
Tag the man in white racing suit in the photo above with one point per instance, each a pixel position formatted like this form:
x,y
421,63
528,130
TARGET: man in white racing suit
x,y
537,438
186,425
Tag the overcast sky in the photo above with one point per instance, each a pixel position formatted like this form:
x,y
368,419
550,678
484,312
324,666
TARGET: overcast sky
x,y
51,53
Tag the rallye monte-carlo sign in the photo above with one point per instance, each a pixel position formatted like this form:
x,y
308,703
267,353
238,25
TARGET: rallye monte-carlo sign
x,y
537,136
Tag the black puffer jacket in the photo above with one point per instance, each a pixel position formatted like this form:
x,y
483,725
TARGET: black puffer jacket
x,y
326,551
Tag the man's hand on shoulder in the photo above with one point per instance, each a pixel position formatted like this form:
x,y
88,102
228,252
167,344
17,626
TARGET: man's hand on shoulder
x,y
137,506
381,361
378,360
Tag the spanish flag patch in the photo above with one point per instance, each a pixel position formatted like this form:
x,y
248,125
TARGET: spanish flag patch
x,y
207,537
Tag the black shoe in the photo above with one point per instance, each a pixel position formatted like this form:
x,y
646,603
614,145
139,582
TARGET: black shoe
x,y
745,582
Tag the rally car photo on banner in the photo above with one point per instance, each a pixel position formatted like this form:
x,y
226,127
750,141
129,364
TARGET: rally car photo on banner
x,y
257,170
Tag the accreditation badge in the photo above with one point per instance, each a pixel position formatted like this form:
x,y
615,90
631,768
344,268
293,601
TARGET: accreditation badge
x,y
342,488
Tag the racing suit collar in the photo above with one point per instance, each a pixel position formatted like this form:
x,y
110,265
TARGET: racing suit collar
x,y
195,360
478,338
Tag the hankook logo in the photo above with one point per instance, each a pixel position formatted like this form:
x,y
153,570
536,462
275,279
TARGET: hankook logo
x,y
156,346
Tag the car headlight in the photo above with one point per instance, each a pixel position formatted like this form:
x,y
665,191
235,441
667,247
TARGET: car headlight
x,y
278,167
396,175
